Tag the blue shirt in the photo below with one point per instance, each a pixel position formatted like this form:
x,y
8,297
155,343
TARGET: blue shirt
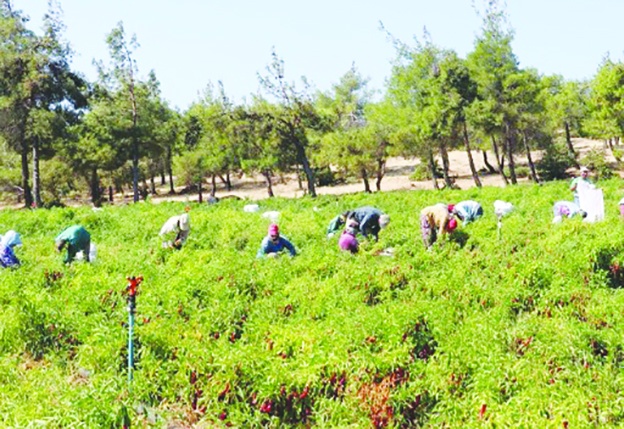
x,y
268,246
368,218
468,211
8,258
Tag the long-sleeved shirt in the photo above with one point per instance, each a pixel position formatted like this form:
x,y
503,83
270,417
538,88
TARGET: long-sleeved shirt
x,y
336,223
77,239
368,219
468,211
171,231
8,258
268,246
565,208
437,217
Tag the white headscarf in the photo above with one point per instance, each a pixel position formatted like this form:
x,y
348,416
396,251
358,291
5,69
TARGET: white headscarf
x,y
11,239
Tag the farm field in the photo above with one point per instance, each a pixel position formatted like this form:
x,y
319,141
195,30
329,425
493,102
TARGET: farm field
x,y
525,331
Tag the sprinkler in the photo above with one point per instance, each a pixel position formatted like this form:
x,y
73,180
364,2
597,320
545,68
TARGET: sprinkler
x,y
131,291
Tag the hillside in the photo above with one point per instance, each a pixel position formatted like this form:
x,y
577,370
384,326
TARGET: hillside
x,y
525,331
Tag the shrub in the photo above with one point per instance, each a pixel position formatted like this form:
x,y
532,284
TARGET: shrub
x,y
596,161
522,172
324,176
422,172
555,163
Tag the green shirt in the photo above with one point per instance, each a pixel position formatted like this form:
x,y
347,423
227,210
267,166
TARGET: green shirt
x,y
77,239
575,183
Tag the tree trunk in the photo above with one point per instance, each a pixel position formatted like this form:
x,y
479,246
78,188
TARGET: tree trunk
x,y
213,182
163,180
491,169
529,158
28,198
94,183
381,171
569,143
499,161
267,176
432,170
228,181
510,138
305,164
200,194
153,184
143,190
36,175
170,171
298,173
475,175
445,167
135,171
110,193
367,188
610,144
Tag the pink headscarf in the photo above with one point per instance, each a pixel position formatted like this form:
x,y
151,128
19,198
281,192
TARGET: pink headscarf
x,y
348,242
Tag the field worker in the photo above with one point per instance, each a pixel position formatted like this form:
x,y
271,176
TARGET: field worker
x,y
7,256
175,231
274,243
337,223
370,220
567,209
76,239
466,211
435,220
348,240
582,180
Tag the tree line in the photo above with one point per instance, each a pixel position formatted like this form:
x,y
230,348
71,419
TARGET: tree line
x,y
62,134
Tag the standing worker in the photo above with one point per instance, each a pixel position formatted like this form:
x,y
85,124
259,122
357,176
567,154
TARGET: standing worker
x,y
467,211
435,220
274,243
76,239
370,220
582,180
7,255
175,231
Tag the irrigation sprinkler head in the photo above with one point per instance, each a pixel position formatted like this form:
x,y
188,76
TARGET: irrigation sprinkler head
x,y
133,285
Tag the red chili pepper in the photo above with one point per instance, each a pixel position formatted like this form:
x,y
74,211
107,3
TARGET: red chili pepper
x,y
305,392
482,411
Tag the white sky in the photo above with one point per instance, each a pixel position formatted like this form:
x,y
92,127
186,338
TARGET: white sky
x,y
190,43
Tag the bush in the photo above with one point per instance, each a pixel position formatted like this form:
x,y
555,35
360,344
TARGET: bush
x,y
422,172
324,176
555,163
596,161
522,172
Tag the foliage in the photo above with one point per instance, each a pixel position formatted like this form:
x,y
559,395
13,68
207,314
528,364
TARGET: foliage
x,y
554,163
606,118
295,118
422,172
525,330
38,91
596,162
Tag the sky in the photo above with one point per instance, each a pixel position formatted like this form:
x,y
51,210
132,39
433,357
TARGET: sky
x,y
193,43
